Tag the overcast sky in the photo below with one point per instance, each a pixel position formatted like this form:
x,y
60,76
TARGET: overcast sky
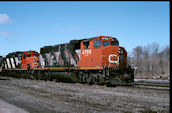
x,y
31,25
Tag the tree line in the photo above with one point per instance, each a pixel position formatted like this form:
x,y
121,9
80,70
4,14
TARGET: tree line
x,y
150,60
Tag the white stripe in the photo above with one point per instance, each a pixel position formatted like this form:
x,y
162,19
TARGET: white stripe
x,y
8,63
5,66
17,61
12,62
41,61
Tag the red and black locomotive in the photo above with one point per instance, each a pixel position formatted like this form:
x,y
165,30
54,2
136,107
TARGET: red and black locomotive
x,y
93,60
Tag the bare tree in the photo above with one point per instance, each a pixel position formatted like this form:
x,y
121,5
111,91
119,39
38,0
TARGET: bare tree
x,y
154,48
138,52
146,52
150,60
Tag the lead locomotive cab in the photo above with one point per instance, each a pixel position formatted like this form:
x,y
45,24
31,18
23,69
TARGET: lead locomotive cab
x,y
102,51
104,61
30,59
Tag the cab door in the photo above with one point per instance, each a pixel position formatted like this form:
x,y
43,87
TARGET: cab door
x,y
86,59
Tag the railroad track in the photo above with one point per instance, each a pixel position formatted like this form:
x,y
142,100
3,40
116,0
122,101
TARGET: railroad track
x,y
141,83
153,84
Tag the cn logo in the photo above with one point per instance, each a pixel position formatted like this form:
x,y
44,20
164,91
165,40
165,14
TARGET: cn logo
x,y
113,61
86,52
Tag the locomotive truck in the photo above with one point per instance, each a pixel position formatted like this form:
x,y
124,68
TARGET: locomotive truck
x,y
97,60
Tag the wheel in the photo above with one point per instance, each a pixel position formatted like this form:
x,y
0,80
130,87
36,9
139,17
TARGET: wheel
x,y
101,81
93,80
110,84
80,77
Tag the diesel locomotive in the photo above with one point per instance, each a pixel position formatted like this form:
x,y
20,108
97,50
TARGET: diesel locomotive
x,y
97,60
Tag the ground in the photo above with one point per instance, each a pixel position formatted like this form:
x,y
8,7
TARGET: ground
x,y
55,97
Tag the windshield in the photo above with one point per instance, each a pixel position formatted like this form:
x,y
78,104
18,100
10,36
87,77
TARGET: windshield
x,y
29,54
34,54
97,43
114,43
106,43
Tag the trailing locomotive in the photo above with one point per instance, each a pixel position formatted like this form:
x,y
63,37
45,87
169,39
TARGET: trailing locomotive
x,y
94,60
13,60
21,60
18,64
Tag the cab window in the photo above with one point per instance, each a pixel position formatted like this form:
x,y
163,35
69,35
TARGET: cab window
x,y
86,44
114,43
34,54
106,43
97,43
28,54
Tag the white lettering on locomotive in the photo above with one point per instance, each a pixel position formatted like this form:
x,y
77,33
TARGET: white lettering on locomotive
x,y
113,61
86,52
105,38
